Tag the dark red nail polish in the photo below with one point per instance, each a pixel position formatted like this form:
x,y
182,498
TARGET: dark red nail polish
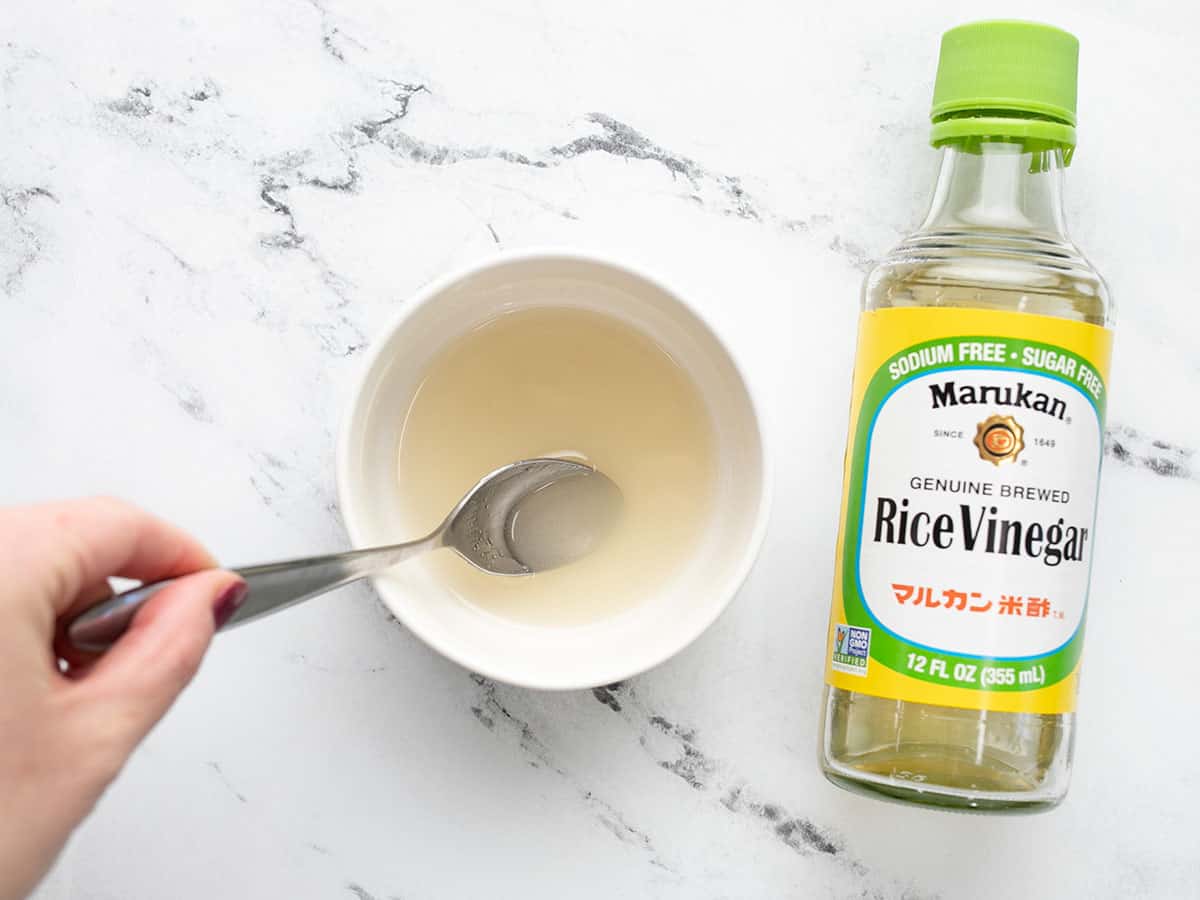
x,y
228,602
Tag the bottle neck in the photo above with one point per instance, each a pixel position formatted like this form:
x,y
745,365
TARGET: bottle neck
x,y
995,186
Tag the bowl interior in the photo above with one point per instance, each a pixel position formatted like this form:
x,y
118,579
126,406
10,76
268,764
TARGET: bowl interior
x,y
553,656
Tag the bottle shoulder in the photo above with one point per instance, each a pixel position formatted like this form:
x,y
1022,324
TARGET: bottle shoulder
x,y
1014,271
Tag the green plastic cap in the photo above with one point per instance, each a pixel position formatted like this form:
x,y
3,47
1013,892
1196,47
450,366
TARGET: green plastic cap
x,y
1017,77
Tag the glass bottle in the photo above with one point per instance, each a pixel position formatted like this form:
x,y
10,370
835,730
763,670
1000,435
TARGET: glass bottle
x,y
994,241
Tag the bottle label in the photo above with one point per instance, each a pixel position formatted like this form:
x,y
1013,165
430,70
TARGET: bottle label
x,y
969,508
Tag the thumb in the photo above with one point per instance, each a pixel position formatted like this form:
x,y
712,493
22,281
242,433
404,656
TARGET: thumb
x,y
138,679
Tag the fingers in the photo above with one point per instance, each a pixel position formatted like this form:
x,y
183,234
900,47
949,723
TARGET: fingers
x,y
135,682
68,547
90,596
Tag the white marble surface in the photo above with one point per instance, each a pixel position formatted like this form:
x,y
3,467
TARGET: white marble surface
x,y
208,210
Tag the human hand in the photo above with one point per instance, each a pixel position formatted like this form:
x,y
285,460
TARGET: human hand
x,y
65,734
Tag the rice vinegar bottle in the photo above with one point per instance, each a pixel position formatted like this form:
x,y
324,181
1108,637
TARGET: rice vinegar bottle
x,y
973,459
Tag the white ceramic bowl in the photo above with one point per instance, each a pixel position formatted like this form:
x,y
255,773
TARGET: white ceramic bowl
x,y
553,657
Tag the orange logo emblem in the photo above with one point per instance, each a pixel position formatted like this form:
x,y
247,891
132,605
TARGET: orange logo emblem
x,y
999,439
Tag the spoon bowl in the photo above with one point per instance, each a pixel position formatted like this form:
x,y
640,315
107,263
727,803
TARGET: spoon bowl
x,y
491,527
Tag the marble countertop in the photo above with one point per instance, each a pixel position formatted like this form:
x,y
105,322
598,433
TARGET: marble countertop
x,y
209,209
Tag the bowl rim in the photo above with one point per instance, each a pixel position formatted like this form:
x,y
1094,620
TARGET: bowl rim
x,y
353,397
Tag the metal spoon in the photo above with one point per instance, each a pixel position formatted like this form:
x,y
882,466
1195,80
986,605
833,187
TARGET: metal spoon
x,y
483,528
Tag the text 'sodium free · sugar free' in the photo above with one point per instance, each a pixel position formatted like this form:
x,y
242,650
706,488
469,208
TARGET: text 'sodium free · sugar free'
x,y
976,437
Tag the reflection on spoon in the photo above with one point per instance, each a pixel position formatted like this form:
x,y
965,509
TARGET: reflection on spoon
x,y
564,520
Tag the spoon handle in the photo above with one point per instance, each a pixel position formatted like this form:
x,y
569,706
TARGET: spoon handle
x,y
270,588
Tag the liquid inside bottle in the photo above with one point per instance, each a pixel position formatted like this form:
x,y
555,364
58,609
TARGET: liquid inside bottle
x,y
969,615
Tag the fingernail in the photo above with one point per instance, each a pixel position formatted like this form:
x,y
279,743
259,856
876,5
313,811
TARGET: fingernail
x,y
228,602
